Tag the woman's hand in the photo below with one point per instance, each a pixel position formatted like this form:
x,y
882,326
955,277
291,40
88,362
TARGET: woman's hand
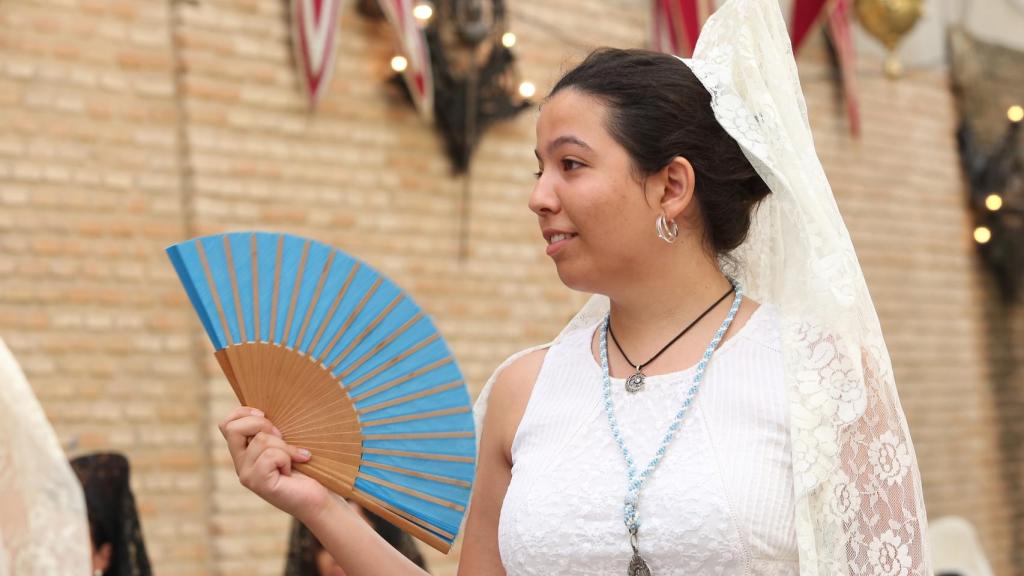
x,y
263,461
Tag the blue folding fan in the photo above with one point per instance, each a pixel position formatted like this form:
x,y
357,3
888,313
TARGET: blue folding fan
x,y
345,364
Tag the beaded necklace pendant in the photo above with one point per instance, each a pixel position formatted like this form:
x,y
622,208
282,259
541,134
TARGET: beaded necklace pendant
x,y
635,383
638,478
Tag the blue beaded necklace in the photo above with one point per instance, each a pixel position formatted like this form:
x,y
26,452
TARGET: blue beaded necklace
x,y
631,505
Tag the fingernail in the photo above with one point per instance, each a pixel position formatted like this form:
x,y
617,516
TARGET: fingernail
x,y
277,432
256,412
305,453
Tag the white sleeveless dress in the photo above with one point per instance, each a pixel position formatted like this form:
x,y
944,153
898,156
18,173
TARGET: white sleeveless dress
x,y
721,502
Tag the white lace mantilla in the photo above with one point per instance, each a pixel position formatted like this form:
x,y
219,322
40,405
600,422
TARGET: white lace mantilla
x,y
43,526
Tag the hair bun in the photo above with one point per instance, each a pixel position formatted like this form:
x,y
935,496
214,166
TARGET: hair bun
x,y
756,189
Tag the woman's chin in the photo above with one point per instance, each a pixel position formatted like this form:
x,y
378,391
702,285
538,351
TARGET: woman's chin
x,y
576,279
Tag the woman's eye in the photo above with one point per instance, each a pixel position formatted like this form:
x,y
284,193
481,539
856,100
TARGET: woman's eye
x,y
569,164
538,174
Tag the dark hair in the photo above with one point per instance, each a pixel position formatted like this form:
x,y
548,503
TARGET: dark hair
x,y
303,547
113,517
659,110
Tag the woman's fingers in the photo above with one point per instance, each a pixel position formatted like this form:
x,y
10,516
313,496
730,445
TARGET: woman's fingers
x,y
238,433
263,474
263,442
263,462
240,412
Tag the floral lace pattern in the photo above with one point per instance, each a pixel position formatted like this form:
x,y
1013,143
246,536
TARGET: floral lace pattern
x,y
859,504
43,526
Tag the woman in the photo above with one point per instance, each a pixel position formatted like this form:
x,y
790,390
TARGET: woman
x,y
307,556
725,405
118,548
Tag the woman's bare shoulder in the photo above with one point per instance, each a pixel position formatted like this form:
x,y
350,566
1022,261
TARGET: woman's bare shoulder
x,y
511,393
519,376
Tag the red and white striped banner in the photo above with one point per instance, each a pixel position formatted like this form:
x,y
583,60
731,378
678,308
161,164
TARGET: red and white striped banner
x,y
805,15
413,46
314,35
675,24
842,40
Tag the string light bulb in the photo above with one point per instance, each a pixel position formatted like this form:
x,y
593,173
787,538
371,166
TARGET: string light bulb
x,y
527,89
423,12
994,202
508,39
982,235
399,63
1015,113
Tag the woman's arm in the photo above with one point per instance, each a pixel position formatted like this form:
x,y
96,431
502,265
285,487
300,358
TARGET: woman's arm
x,y
505,408
263,462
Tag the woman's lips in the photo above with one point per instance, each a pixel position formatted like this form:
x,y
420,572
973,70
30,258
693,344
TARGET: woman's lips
x,y
558,241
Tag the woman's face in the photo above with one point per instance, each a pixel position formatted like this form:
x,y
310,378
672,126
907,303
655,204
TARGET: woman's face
x,y
589,204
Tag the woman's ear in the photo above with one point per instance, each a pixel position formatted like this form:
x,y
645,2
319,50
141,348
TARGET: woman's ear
x,y
678,188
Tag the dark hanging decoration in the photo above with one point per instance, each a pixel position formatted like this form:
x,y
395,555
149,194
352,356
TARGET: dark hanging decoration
x,y
475,78
475,83
466,104
998,172
369,9
988,80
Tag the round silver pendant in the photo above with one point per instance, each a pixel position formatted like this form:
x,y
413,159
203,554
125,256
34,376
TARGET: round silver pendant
x,y
635,383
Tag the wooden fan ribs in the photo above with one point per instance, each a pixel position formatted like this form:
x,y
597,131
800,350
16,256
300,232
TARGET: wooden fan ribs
x,y
418,527
243,363
410,397
419,436
351,318
316,299
382,344
214,292
295,294
369,328
420,455
397,381
256,324
330,314
424,475
233,276
302,388
301,378
411,492
277,288
222,359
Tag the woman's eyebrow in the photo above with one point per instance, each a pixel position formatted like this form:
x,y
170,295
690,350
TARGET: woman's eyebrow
x,y
569,139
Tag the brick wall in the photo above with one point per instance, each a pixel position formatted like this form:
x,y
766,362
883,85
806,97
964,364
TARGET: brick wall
x,y
89,196
130,124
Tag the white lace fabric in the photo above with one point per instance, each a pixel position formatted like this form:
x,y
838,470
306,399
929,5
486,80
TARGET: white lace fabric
x,y
43,526
859,508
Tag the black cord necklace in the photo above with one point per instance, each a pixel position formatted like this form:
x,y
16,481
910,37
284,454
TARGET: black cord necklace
x,y
635,383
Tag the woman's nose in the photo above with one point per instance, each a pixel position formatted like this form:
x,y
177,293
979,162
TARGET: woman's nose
x,y
543,199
